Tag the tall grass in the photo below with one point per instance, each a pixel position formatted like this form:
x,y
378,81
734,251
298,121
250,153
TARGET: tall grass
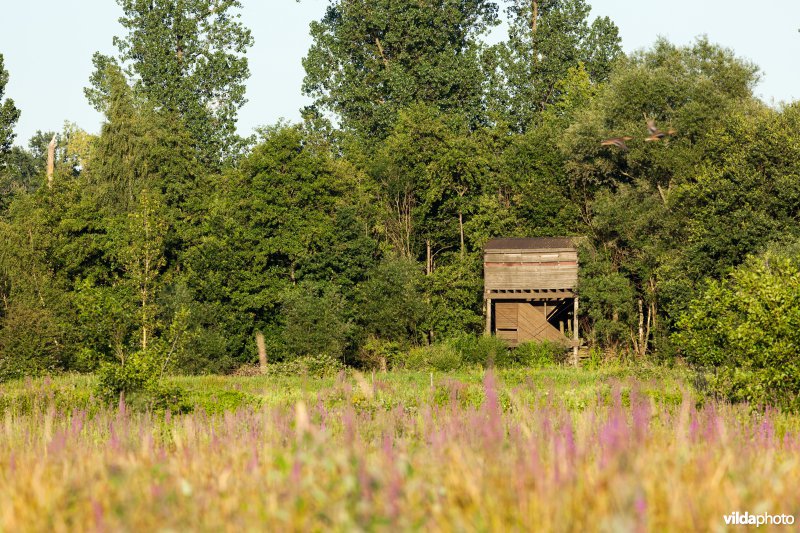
x,y
470,453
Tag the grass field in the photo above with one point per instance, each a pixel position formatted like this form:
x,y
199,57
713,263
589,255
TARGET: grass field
x,y
556,449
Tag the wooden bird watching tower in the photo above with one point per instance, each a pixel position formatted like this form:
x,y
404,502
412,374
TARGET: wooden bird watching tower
x,y
529,287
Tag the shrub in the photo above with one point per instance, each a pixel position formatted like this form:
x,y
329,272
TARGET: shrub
x,y
390,304
540,354
747,327
379,354
114,380
414,359
312,365
31,343
483,350
314,321
441,357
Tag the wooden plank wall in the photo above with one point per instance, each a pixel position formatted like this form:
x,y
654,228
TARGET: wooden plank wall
x,y
530,269
533,325
519,322
506,315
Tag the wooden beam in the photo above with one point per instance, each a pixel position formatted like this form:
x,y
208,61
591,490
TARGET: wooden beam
x,y
532,296
488,316
575,332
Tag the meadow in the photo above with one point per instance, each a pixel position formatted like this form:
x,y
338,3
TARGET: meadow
x,y
557,449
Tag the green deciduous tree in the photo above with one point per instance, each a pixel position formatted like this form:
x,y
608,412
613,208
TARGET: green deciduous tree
x,y
546,39
746,326
185,57
371,59
643,207
9,115
391,305
291,216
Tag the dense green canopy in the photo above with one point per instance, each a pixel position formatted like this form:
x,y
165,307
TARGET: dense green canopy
x,y
164,243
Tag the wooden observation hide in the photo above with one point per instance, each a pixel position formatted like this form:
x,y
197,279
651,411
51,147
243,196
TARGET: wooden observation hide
x,y
529,287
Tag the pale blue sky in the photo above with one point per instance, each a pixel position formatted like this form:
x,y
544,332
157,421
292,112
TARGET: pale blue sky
x,y
48,46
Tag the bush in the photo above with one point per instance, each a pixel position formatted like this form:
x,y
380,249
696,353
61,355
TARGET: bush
x,y
379,354
540,354
483,350
31,343
747,327
311,365
443,358
114,380
440,357
390,304
314,321
139,380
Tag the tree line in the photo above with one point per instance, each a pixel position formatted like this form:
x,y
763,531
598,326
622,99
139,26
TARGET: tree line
x,y
361,228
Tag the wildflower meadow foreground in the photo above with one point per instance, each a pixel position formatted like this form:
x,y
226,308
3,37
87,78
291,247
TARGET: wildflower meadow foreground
x,y
474,452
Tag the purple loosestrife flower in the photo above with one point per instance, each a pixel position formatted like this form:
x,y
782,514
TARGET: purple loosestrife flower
x,y
297,472
641,416
766,431
712,421
113,440
364,481
77,422
99,516
640,504
349,425
491,412
694,428
57,443
568,436
613,435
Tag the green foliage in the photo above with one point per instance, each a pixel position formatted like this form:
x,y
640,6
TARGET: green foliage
x,y
138,378
746,326
164,246
9,115
36,314
292,215
441,357
10,158
607,299
454,293
186,58
484,350
547,38
540,354
390,302
134,376
376,353
319,365
315,322
369,60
